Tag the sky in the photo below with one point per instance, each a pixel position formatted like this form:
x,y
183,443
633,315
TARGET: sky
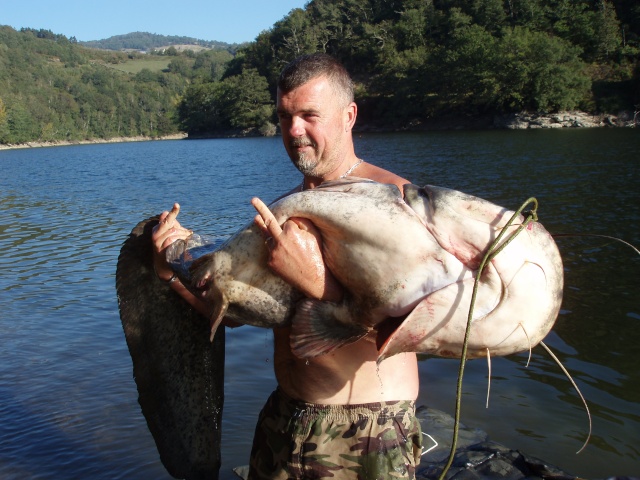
x,y
230,21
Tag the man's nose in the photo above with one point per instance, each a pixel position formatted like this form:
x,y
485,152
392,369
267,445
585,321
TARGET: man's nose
x,y
296,129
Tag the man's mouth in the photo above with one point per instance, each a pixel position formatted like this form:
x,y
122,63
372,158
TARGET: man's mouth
x,y
300,143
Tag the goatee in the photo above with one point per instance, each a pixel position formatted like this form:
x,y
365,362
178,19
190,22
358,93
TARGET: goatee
x,y
304,164
302,161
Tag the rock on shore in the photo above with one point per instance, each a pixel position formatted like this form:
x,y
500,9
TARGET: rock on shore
x,y
476,456
524,120
508,121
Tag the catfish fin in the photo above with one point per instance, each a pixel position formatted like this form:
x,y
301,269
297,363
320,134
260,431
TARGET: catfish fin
x,y
218,313
317,329
408,336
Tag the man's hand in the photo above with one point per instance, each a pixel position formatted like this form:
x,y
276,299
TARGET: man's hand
x,y
164,234
295,254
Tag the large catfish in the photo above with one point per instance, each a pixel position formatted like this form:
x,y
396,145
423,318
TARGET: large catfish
x,y
410,261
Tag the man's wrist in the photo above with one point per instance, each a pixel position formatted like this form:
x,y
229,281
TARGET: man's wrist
x,y
170,280
173,278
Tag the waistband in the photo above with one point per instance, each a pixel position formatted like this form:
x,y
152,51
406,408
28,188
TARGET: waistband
x,y
378,409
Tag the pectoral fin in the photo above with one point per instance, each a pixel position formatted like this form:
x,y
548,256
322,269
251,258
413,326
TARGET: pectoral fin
x,y
320,327
218,313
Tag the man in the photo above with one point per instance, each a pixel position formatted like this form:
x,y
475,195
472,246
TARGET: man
x,y
339,415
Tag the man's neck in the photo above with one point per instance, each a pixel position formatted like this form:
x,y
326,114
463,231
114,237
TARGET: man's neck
x,y
347,167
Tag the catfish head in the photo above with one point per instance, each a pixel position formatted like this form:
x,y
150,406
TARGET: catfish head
x,y
519,291
234,279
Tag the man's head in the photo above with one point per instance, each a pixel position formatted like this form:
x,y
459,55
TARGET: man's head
x,y
316,112
314,65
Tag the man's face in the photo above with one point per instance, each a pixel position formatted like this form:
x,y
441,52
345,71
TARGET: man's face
x,y
315,126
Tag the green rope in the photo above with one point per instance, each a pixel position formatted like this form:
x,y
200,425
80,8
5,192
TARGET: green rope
x,y
492,251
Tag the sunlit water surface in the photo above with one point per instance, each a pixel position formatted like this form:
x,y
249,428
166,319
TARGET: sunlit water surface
x,y
68,402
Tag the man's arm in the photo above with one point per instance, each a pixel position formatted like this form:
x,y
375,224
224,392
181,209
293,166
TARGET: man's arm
x,y
296,254
296,248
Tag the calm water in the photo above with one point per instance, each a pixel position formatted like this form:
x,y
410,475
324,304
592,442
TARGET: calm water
x,y
68,402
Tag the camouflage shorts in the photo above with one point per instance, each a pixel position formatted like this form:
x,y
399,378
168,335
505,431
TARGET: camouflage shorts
x,y
297,440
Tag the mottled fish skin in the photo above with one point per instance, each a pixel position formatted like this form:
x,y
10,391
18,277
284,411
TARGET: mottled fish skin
x,y
411,259
179,373
519,293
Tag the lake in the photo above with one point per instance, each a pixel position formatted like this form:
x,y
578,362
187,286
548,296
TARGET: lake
x,y
68,402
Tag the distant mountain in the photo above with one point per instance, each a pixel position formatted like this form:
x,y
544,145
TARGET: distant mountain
x,y
149,41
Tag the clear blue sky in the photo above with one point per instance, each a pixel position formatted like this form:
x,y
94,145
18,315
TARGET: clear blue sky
x,y
231,21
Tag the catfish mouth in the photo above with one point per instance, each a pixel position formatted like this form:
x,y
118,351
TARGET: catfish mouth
x,y
386,329
184,254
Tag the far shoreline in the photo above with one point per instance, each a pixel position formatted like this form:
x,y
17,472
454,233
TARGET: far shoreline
x,y
66,143
513,121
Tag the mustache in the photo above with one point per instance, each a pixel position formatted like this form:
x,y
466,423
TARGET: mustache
x,y
301,142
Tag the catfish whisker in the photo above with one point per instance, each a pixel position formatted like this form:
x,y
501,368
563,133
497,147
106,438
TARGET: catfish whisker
x,y
597,235
489,382
557,360
530,347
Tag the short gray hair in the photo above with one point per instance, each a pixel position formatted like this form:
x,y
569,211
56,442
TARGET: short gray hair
x,y
310,66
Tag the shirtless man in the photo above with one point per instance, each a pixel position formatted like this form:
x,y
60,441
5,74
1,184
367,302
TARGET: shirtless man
x,y
339,415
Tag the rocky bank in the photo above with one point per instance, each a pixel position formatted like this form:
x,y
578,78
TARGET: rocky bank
x,y
524,120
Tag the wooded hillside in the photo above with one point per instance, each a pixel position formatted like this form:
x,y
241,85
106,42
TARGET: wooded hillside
x,y
152,41
417,59
412,60
52,89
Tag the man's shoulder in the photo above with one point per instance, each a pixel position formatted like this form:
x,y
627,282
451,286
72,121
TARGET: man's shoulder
x,y
378,174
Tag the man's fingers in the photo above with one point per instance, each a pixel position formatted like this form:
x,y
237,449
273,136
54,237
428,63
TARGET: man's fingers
x,y
167,219
171,216
265,219
304,224
167,226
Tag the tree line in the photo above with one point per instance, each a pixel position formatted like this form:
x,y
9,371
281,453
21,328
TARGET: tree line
x,y
411,59
150,41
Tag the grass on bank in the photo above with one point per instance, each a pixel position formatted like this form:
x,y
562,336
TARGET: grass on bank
x,y
137,65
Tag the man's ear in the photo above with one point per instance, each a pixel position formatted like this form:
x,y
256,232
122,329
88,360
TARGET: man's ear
x,y
350,114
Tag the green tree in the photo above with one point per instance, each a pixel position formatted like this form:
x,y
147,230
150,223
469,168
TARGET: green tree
x,y
295,35
21,126
489,14
211,64
199,111
180,66
538,72
239,102
531,14
4,129
608,36
462,72
245,101
3,113
412,26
